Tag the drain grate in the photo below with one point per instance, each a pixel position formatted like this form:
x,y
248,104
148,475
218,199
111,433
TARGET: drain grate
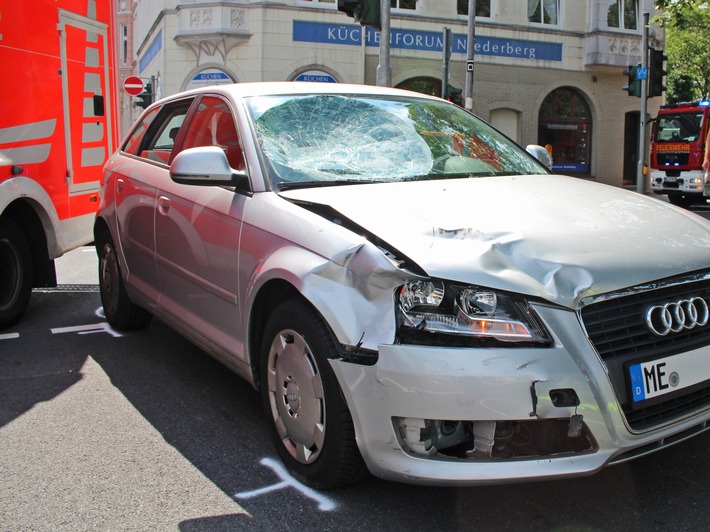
x,y
70,288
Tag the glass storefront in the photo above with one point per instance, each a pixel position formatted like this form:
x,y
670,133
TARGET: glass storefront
x,y
564,128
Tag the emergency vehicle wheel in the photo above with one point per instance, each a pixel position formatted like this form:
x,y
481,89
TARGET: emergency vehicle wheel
x,y
17,271
680,201
121,313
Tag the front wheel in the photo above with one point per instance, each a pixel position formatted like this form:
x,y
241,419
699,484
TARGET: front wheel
x,y
120,311
309,420
681,201
16,271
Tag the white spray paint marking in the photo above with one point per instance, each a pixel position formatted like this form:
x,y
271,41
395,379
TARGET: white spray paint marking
x,y
325,504
9,336
88,329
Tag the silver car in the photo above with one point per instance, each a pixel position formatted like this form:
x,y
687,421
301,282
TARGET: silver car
x,y
411,293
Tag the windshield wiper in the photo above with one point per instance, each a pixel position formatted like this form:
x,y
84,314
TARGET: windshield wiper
x,y
294,185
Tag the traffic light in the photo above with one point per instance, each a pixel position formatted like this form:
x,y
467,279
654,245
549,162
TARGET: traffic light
x,y
145,98
633,85
656,73
366,12
454,95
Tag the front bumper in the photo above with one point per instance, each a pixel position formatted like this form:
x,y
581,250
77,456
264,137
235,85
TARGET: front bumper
x,y
392,400
687,182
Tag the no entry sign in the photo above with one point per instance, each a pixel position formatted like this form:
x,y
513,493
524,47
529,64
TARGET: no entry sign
x,y
133,85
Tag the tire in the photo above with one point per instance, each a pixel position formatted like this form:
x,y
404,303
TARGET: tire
x,y
121,313
308,418
16,272
681,201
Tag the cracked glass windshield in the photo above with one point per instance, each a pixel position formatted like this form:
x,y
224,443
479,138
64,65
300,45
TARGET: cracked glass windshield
x,y
320,140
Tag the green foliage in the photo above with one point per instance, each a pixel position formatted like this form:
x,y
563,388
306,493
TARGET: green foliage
x,y
681,89
675,12
687,24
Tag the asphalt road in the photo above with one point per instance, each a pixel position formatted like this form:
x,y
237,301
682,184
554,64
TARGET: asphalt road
x,y
143,431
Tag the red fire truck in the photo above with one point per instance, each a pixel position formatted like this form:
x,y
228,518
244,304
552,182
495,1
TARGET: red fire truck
x,y
677,150
57,127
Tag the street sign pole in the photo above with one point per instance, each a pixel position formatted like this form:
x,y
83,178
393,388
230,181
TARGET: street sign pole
x,y
643,134
446,56
468,93
384,72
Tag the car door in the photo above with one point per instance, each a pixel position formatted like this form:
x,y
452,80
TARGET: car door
x,y
197,232
137,176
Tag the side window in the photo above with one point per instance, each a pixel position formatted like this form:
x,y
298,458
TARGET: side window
x,y
213,125
154,138
133,143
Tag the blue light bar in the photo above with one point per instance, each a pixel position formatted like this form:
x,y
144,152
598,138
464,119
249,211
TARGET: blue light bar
x,y
704,103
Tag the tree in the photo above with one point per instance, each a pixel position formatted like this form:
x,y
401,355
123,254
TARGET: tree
x,y
687,24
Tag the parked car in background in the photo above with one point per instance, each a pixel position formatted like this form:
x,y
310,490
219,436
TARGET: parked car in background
x,y
412,293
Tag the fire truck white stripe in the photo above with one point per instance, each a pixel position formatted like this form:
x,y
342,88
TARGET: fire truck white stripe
x,y
30,131
27,154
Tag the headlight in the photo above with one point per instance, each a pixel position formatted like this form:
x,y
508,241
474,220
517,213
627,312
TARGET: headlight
x,y
467,315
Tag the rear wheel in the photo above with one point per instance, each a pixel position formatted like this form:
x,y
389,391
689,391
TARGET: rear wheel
x,y
16,271
120,311
309,420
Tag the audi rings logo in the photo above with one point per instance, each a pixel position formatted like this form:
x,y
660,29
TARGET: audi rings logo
x,y
677,315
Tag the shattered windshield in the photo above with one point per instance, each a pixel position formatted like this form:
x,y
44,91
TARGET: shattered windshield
x,y
320,140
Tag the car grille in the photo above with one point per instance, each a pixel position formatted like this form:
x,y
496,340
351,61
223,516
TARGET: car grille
x,y
616,326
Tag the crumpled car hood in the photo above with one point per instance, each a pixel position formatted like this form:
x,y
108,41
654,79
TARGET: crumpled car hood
x,y
554,237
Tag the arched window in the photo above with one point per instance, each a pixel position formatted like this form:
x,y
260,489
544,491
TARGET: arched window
x,y
565,128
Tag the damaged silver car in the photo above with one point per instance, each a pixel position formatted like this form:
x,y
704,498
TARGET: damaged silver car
x,y
412,293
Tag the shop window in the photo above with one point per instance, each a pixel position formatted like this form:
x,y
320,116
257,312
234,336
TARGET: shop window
x,y
544,11
483,8
564,128
622,14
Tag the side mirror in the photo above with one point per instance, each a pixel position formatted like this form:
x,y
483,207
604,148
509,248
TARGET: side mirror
x,y
540,153
206,166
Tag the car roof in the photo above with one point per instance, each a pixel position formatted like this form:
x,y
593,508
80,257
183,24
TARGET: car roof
x,y
273,88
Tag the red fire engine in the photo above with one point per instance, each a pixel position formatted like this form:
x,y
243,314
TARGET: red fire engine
x,y
677,150
58,125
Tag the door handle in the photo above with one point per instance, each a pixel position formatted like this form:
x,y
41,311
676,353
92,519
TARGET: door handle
x,y
119,184
164,205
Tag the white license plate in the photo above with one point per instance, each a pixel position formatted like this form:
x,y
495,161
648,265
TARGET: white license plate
x,y
670,179
666,375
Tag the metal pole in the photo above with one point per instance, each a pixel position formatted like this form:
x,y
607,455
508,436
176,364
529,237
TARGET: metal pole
x,y
470,43
640,177
446,55
384,72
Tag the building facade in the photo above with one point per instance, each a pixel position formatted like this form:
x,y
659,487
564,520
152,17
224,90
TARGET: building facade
x,y
546,72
